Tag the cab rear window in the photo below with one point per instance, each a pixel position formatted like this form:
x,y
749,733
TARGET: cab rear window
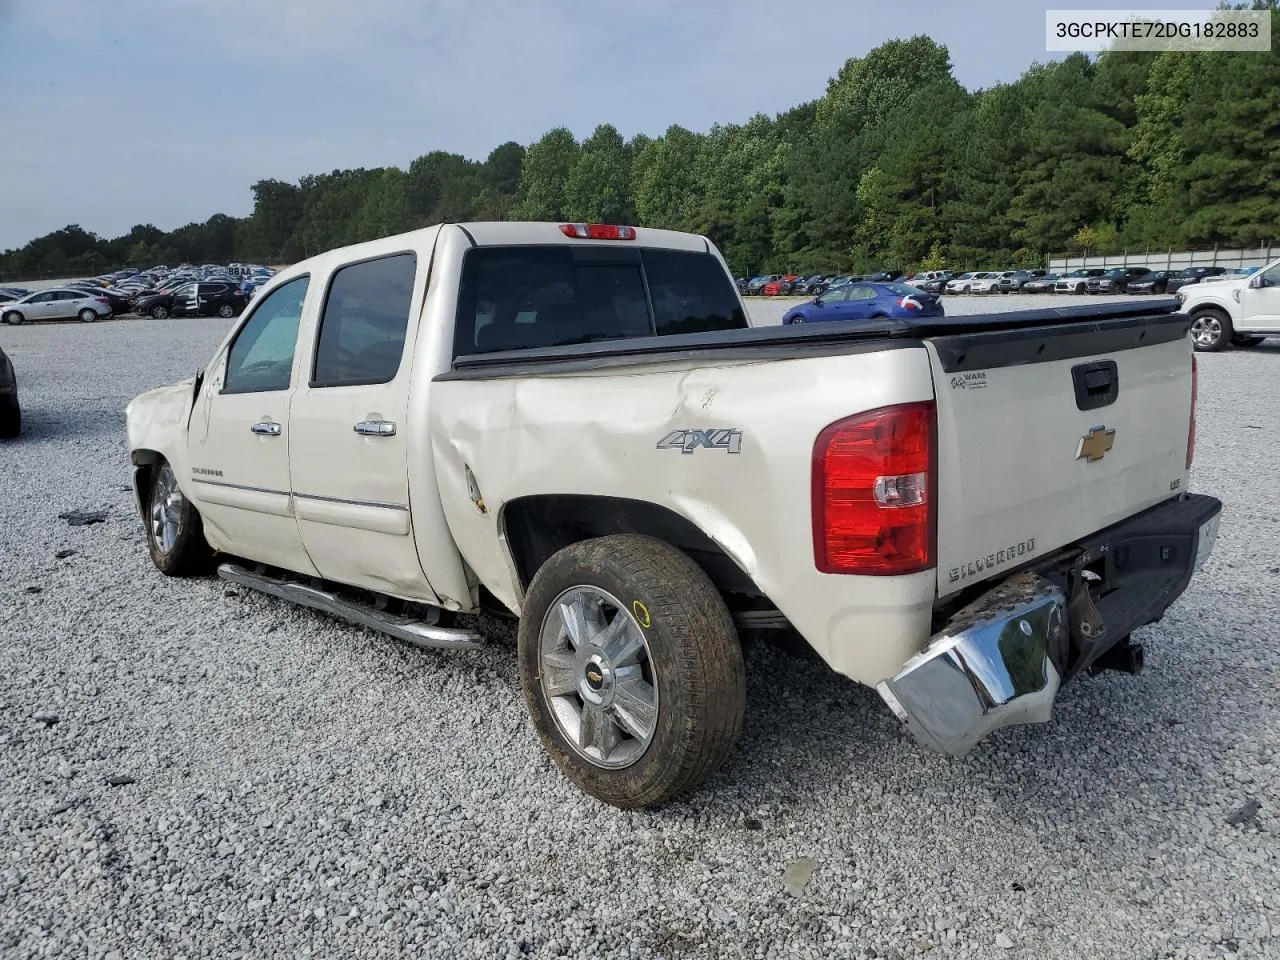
x,y
521,298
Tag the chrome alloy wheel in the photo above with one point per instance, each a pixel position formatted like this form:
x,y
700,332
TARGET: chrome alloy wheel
x,y
598,677
1206,330
166,510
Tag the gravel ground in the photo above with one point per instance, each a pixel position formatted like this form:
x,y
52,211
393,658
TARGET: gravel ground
x,y
293,787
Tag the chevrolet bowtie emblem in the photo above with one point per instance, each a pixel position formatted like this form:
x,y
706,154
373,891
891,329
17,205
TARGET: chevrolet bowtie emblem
x,y
1095,444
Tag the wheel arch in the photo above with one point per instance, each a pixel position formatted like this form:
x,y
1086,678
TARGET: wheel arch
x,y
535,527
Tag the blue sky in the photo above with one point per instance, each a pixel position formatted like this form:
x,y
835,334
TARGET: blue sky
x,y
115,112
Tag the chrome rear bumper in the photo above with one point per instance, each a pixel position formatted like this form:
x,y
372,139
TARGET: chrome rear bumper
x,y
991,667
1002,659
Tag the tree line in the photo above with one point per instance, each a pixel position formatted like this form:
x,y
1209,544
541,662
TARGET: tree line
x,y
895,166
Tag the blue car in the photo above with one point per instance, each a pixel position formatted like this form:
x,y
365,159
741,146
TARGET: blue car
x,y
861,300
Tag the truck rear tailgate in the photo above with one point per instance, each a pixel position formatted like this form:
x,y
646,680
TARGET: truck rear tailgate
x,y
1051,432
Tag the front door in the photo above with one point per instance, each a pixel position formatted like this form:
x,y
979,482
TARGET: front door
x,y
239,437
1260,305
40,307
349,425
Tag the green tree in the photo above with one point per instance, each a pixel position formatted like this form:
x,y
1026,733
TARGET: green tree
x,y
546,169
598,187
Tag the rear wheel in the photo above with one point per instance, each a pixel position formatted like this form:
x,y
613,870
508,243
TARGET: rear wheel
x,y
631,669
14,317
226,311
175,534
87,316
10,418
1211,329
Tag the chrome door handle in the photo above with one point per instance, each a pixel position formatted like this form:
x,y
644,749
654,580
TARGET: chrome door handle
x,y
266,429
376,428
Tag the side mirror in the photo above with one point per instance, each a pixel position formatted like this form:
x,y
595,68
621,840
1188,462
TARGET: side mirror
x,y
1257,282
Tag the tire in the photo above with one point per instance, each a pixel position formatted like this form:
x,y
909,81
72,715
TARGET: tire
x,y
798,318
14,318
175,536
226,311
10,418
685,651
1211,329
1246,340
87,316
159,312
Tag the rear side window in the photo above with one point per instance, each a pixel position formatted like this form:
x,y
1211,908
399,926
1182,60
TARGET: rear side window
x,y
519,298
362,327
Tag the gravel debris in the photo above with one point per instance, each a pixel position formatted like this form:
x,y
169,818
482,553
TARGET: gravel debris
x,y
83,518
310,789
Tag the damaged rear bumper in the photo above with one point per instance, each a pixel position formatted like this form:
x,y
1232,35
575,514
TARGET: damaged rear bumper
x,y
1002,659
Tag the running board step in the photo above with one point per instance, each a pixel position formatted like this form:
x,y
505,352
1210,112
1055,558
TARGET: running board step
x,y
402,628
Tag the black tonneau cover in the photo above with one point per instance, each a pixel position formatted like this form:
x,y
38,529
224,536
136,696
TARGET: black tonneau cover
x,y
963,342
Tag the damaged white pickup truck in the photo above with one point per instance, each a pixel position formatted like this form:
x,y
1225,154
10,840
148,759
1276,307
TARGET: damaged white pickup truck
x,y
576,424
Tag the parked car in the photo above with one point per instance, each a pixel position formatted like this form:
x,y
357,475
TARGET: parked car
x,y
119,300
934,281
964,282
1232,273
779,287
1190,275
10,410
1153,281
811,286
1240,312
867,301
741,284
988,282
56,304
1077,281
1042,284
1014,281
1115,280
221,298
857,531
8,294
756,287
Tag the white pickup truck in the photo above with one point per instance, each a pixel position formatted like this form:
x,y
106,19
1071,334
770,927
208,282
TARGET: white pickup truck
x,y
1241,311
575,424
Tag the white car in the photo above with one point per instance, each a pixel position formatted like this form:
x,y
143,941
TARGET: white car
x,y
989,282
574,425
57,304
1242,311
964,283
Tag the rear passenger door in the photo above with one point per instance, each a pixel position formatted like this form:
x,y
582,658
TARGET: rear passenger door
x,y
858,301
349,429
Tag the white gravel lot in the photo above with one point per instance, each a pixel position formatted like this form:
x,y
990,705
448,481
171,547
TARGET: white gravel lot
x,y
301,788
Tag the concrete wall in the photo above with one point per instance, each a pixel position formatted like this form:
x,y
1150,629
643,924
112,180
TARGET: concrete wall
x,y
1168,260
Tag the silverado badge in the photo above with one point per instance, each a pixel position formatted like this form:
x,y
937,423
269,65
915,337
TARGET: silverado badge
x,y
1095,444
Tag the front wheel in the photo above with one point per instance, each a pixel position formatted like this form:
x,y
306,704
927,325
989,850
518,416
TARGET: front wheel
x,y
1211,330
159,312
175,534
631,669
798,318
13,317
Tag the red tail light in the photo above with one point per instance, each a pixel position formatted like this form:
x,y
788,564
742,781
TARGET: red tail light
x,y
874,492
597,231
102,299
1195,394
908,303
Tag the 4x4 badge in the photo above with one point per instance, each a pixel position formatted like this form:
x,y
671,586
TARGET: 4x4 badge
x,y
1095,444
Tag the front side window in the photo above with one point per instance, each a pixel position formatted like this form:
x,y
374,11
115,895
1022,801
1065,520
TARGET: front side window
x,y
363,323
261,356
